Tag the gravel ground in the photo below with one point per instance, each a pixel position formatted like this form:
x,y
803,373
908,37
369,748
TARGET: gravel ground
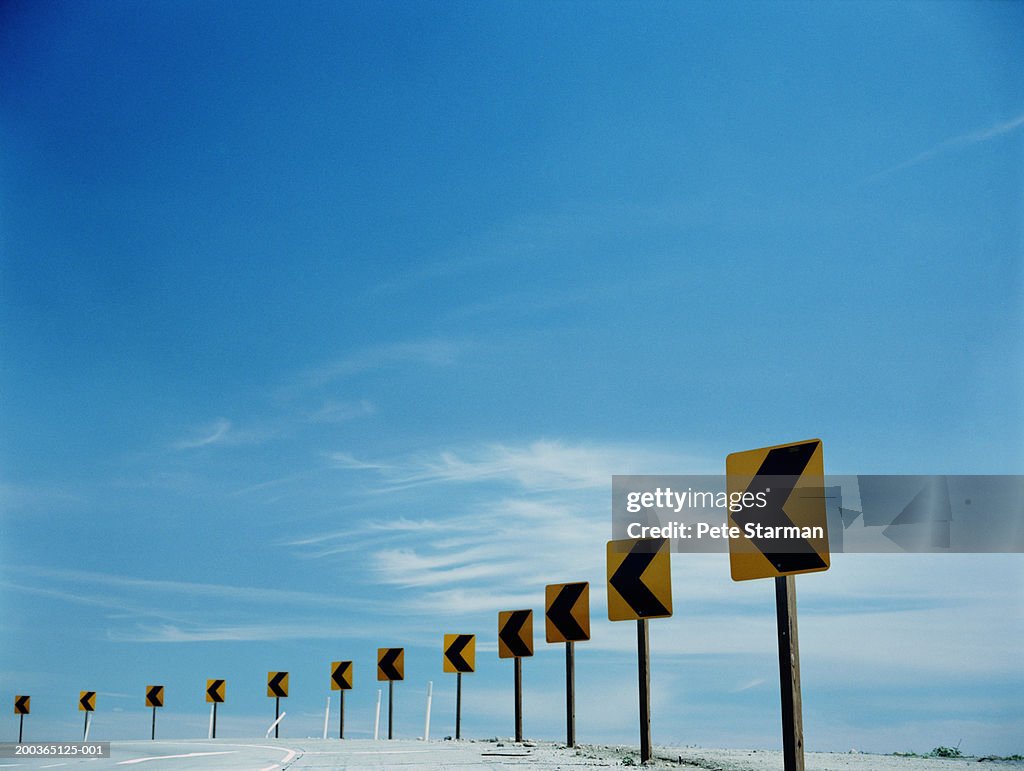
x,y
552,756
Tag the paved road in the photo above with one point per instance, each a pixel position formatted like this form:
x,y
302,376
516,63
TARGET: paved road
x,y
273,754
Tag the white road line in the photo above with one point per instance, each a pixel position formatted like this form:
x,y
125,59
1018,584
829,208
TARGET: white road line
x,y
171,757
54,765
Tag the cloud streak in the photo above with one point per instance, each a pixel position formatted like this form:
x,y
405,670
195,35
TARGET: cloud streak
x,y
955,143
214,434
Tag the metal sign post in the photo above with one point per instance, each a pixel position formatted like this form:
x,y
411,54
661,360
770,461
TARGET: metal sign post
x,y
519,698
789,674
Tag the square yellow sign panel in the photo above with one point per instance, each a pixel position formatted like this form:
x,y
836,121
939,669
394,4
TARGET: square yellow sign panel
x,y
639,579
459,652
777,516
567,612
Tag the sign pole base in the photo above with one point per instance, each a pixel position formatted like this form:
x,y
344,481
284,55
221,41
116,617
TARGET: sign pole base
x,y
21,725
789,674
277,714
152,733
341,717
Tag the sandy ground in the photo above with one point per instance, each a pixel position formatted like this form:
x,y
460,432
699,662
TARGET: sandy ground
x,y
320,754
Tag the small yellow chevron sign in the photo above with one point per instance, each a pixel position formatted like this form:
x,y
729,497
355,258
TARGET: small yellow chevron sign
x,y
154,695
459,652
22,705
215,691
781,527
277,684
515,634
87,701
341,675
391,663
567,612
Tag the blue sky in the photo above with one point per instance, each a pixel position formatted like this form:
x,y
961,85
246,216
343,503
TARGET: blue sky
x,y
325,327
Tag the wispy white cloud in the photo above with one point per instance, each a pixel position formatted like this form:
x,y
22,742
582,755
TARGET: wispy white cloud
x,y
16,496
540,466
342,411
146,610
433,353
213,434
979,136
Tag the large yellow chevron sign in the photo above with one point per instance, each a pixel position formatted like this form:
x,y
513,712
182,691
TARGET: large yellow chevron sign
x,y
781,526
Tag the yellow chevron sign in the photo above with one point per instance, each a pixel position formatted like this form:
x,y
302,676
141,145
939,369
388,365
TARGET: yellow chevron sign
x,y
391,663
639,579
86,701
782,526
154,695
567,612
277,684
459,652
341,675
515,634
22,705
215,691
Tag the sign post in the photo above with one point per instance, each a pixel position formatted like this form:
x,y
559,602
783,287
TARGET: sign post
x,y
567,619
22,707
341,680
87,704
277,686
515,641
780,533
391,667
215,695
154,699
639,588
459,656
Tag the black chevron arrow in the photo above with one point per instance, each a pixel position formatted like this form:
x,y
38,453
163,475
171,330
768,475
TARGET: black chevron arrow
x,y
339,674
155,696
454,653
628,580
785,465
511,634
21,705
387,664
560,612
214,690
275,684
86,699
